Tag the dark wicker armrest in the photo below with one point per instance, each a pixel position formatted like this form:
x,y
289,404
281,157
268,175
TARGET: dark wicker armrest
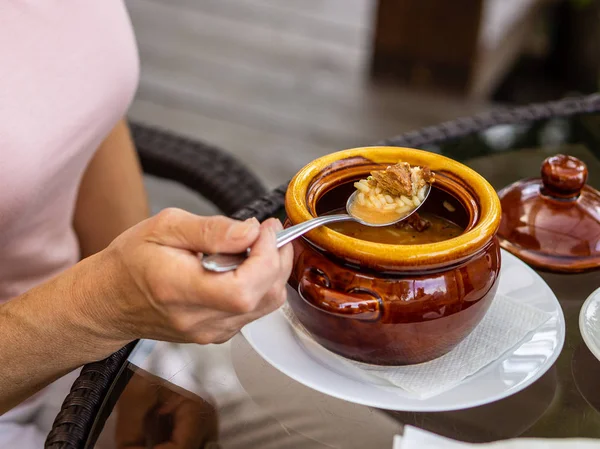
x,y
502,116
264,207
214,174
78,412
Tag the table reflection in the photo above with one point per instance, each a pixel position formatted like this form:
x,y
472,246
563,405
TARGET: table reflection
x,y
153,413
274,412
507,418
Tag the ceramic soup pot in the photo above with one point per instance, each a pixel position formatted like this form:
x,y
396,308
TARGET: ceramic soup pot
x,y
389,304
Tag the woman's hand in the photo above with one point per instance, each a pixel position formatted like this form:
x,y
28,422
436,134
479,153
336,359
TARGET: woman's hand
x,y
148,283
160,291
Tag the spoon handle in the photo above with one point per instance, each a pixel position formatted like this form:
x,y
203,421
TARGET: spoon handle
x,y
293,232
221,263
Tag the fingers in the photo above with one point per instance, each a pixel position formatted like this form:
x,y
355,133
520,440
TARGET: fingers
x,y
276,294
180,229
286,256
208,306
286,261
272,301
242,290
261,269
234,292
264,274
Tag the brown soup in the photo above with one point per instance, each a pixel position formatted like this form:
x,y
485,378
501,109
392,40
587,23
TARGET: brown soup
x,y
440,229
447,215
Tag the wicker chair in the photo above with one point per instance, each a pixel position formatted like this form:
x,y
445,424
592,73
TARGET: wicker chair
x,y
236,192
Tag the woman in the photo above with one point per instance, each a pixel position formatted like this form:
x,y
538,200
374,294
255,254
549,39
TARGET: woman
x,y
82,269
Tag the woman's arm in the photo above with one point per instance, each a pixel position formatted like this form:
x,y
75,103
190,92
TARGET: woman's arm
x,y
148,283
54,328
111,196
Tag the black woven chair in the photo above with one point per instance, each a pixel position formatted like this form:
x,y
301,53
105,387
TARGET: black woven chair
x,y
238,193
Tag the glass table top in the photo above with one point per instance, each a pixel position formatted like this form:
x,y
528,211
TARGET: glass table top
x,y
226,396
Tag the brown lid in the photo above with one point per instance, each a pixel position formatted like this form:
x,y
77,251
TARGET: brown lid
x,y
553,223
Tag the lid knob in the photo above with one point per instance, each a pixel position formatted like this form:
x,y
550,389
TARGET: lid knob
x,y
563,176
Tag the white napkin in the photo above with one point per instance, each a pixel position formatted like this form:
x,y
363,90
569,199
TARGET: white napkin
x,y
506,323
414,438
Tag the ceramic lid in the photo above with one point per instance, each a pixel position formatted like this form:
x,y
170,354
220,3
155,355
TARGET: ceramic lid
x,y
553,223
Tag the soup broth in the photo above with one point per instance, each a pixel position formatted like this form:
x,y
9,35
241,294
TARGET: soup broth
x,y
440,229
372,216
447,216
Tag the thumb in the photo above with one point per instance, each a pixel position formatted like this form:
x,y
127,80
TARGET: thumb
x,y
180,229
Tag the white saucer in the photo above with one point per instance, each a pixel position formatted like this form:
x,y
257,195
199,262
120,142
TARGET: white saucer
x,y
589,323
275,340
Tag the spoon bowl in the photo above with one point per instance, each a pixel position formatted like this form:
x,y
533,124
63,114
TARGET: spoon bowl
x,y
353,198
221,263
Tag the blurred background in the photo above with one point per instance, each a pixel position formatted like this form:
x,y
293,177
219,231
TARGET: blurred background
x,y
281,82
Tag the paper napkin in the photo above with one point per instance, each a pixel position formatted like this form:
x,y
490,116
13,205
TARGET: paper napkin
x,y
505,325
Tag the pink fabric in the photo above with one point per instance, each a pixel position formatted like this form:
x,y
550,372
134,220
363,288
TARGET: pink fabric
x,y
68,72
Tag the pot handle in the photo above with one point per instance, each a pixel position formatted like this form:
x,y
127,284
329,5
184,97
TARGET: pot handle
x,y
358,303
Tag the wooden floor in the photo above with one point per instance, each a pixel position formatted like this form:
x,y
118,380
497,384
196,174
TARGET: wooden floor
x,y
275,82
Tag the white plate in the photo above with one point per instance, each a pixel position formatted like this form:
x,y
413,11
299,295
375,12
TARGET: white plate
x,y
589,323
274,339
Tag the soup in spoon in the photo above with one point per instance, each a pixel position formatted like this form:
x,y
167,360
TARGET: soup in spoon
x,y
388,195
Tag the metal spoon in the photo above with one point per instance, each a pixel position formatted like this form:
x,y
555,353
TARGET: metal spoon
x,y
221,263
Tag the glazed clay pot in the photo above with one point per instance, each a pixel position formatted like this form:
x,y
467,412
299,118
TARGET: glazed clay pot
x,y
393,304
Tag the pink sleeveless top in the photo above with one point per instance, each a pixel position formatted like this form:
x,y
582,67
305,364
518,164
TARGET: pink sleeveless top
x,y
68,72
